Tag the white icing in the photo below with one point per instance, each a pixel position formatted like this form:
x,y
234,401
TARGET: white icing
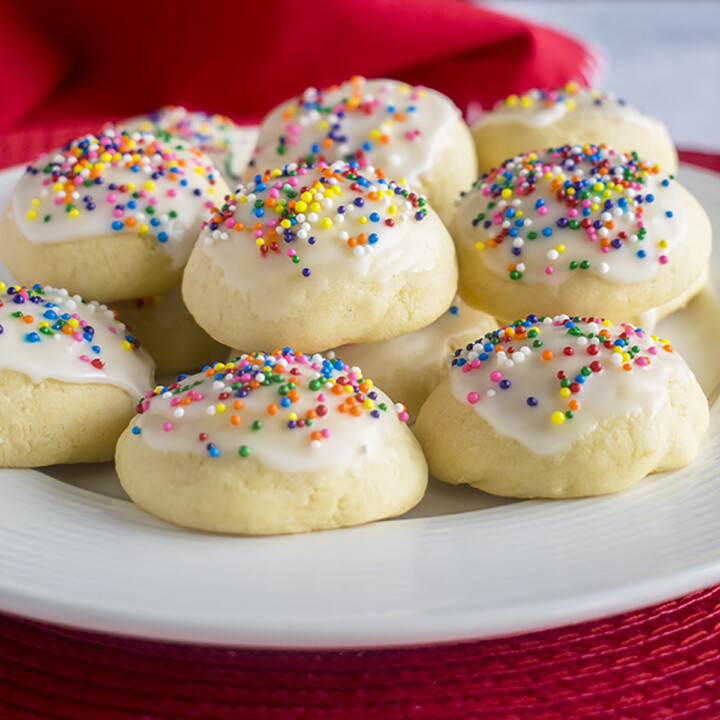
x,y
342,439
166,209
538,108
613,391
402,248
664,233
68,357
383,123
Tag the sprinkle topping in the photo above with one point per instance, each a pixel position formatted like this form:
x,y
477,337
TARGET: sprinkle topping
x,y
383,123
287,409
117,182
543,216
47,333
548,381
286,212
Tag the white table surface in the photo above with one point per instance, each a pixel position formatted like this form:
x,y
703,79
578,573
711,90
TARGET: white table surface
x,y
663,57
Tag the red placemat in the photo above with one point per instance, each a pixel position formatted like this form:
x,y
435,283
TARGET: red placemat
x,y
662,662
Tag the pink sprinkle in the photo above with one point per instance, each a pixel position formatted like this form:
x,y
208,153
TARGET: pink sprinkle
x,y
467,367
302,171
229,222
476,363
145,405
175,401
143,193
293,128
167,426
78,336
549,270
663,259
153,201
486,190
111,329
321,397
641,361
245,377
325,432
542,210
352,377
652,350
258,233
403,416
606,248
111,197
473,397
640,224
118,213
291,252
58,201
586,203
274,192
85,358
293,181
496,376
172,192
572,213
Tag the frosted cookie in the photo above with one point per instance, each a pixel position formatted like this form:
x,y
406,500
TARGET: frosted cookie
x,y
112,217
168,332
414,133
228,145
70,376
580,230
315,257
560,407
268,444
569,116
411,366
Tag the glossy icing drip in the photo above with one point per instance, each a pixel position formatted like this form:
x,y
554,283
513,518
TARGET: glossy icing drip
x,y
117,183
383,123
541,217
547,382
47,333
294,413
539,108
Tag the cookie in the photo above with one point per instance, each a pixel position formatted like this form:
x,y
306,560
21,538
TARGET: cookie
x,y
569,116
562,407
168,332
268,444
228,145
581,230
411,366
111,217
314,257
70,377
416,134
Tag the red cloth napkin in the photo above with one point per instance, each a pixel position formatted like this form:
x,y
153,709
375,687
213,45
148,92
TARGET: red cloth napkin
x,y
63,62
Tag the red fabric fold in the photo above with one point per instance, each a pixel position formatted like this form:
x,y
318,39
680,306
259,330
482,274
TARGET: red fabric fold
x,y
241,59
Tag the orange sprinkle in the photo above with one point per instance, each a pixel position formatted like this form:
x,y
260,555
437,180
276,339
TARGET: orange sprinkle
x,y
185,401
131,222
548,355
238,404
573,405
372,195
362,238
400,117
668,348
312,414
254,384
28,318
337,389
235,419
272,409
67,330
316,435
327,142
294,395
356,410
342,407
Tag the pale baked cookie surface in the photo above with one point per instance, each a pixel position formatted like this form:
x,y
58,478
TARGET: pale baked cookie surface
x,y
316,257
569,116
111,217
562,407
411,366
70,377
416,134
268,444
581,230
228,145
169,333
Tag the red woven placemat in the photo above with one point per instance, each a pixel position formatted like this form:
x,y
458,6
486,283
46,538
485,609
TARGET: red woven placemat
x,y
661,662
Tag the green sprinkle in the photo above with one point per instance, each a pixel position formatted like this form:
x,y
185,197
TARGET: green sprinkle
x,y
244,451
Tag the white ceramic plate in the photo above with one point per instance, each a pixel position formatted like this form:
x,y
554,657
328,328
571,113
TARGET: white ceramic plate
x,y
463,565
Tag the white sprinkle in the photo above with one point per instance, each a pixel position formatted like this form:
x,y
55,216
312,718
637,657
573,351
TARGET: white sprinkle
x,y
553,255
603,268
315,444
179,412
218,385
365,449
211,410
490,393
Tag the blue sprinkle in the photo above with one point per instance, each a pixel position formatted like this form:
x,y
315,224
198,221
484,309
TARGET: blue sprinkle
x,y
532,402
117,225
669,213
136,430
32,337
505,384
454,309
162,237
641,253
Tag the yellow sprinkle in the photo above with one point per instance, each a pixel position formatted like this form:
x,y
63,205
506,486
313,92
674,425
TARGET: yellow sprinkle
x,y
506,193
326,223
260,242
131,186
35,202
512,100
349,389
292,416
126,345
74,213
526,101
564,392
301,206
307,196
315,207
479,245
594,207
285,224
368,403
143,229
362,219
560,248
31,215
149,185
570,104
242,199
558,418
392,209
663,244
220,407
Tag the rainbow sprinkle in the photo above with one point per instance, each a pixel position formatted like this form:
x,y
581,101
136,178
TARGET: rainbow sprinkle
x,y
535,198
326,387
283,211
78,180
